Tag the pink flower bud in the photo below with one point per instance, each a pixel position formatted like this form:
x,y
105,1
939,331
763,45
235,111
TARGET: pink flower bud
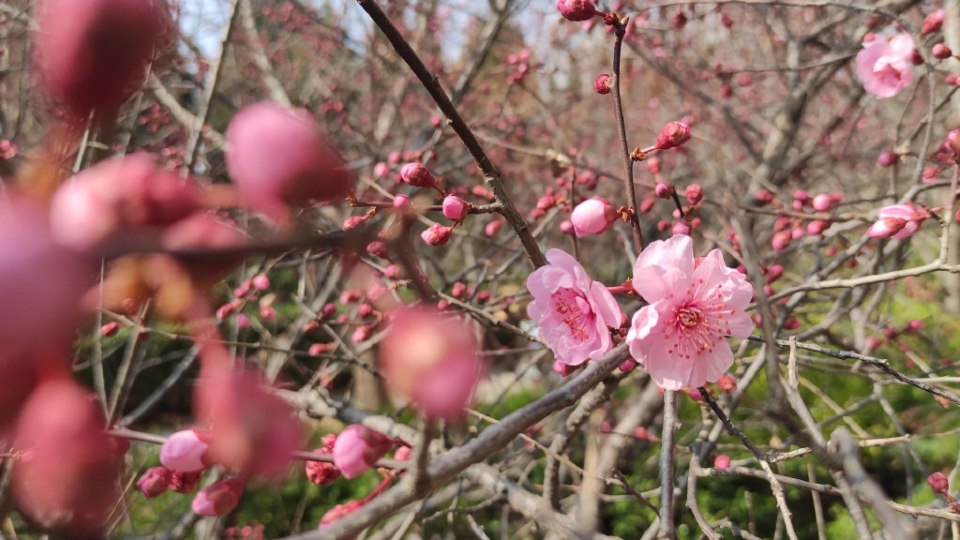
x,y
437,235
781,240
563,369
763,196
721,462
154,482
184,451
431,360
279,157
576,10
673,135
939,483
627,365
932,22
693,194
381,170
774,273
941,51
886,227
492,228
402,454
801,196
603,84
91,53
358,448
417,175
455,209
566,227
401,202
338,512
185,482
822,202
69,474
679,20
681,227
261,282
219,498
887,159
109,329
653,165
663,190
727,384
593,216
817,226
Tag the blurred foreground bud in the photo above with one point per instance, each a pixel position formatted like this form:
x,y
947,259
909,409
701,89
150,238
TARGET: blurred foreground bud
x,y
432,360
673,135
251,430
722,462
593,216
576,10
280,157
184,451
932,22
338,512
357,448
417,175
154,482
219,498
68,477
938,482
91,53
887,159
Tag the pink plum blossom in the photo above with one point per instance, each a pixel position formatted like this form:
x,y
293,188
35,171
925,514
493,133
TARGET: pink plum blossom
x,y
358,448
885,67
432,360
576,10
571,310
219,498
184,451
897,221
455,208
693,306
593,216
437,234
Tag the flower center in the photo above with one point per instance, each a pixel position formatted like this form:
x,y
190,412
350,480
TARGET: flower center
x,y
689,316
574,310
889,71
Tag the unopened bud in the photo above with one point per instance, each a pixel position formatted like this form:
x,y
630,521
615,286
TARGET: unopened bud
x,y
938,482
673,135
576,10
941,51
887,159
455,209
694,194
932,22
663,190
603,84
417,175
437,235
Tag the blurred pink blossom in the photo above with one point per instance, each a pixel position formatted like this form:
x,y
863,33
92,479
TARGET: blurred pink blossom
x,y
184,451
885,67
693,306
358,448
219,498
897,221
154,482
572,310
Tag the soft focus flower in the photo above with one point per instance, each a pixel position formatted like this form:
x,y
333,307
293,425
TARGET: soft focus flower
x,y
673,135
897,221
68,477
184,451
941,51
593,216
885,66
432,360
694,305
888,159
571,310
154,482
251,430
576,10
455,208
437,234
358,448
91,52
219,498
932,22
722,462
279,157
822,202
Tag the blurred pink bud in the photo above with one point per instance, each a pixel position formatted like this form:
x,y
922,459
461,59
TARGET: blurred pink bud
x,y
593,216
887,159
185,482
673,135
381,170
781,240
261,282
566,227
693,194
576,10
817,226
395,158
317,349
627,365
154,482
801,195
727,384
454,208
647,204
722,462
184,451
91,53
653,165
679,20
109,329
401,202
563,369
492,228
458,290
417,175
663,190
932,22
437,235
763,196
774,273
939,483
279,157
338,512
603,84
219,498
681,227
69,475
358,448
361,334
941,51
792,323
402,454
432,360
251,430
822,202
886,227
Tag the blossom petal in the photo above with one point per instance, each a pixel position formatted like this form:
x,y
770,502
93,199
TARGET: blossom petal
x,y
661,266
